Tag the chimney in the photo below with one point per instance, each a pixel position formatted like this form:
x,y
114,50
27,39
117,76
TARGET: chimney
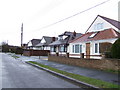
x,y
74,33
53,39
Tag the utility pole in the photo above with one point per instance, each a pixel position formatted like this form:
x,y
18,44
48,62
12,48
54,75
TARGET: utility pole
x,y
22,35
119,11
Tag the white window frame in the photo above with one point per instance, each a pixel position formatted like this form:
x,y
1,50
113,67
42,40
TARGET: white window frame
x,y
77,50
98,26
80,47
73,48
96,48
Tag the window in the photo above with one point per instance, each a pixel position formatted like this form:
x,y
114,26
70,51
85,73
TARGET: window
x,y
92,35
73,48
96,48
80,48
77,48
53,49
98,26
63,48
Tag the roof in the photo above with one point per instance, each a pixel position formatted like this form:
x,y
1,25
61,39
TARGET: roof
x,y
35,41
58,42
71,36
105,34
48,40
111,21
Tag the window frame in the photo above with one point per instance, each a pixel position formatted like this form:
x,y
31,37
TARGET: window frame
x,y
77,48
96,48
98,26
80,47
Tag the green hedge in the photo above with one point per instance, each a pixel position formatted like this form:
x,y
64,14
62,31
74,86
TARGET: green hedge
x,y
115,50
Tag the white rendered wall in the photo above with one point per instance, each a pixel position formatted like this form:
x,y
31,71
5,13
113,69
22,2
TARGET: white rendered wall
x,y
106,25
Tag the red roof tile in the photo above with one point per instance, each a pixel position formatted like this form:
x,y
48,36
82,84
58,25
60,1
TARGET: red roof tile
x,y
105,34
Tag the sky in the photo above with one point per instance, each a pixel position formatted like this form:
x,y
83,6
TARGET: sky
x,y
37,14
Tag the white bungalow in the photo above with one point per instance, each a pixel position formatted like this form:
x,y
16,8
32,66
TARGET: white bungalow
x,y
99,37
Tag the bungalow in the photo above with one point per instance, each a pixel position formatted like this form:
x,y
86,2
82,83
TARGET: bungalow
x,y
44,43
32,43
99,37
61,46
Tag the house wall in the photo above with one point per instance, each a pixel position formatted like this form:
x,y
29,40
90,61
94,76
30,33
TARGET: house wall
x,y
92,48
76,55
29,43
61,53
110,64
106,25
47,48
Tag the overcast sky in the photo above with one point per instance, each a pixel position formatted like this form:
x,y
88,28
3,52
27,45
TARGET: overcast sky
x,y
36,14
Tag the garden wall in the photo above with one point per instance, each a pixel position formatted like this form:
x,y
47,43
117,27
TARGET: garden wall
x,y
103,64
36,52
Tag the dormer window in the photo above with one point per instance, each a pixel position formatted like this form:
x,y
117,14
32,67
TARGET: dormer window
x,y
60,38
98,26
64,37
92,35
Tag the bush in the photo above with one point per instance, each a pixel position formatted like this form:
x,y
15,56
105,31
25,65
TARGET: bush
x,y
107,54
19,50
115,50
5,48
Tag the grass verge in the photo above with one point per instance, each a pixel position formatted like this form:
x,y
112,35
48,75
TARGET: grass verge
x,y
14,56
92,81
112,71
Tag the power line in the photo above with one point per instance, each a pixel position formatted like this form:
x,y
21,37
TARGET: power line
x,y
73,15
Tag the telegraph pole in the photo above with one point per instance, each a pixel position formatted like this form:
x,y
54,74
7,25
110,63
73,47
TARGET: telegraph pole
x,y
22,35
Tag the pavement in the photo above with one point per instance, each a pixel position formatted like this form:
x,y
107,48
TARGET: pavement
x,y
88,72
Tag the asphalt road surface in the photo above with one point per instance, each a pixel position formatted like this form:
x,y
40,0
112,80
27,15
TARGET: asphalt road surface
x,y
17,74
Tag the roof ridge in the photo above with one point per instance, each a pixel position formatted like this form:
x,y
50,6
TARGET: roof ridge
x,y
111,21
107,18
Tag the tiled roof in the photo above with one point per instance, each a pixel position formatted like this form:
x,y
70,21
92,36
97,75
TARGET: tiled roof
x,y
65,41
35,41
105,34
48,40
111,21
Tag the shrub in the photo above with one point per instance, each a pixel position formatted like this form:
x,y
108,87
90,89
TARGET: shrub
x,y
5,48
19,50
115,50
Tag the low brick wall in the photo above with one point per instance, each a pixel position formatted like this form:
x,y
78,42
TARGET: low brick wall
x,y
36,52
102,64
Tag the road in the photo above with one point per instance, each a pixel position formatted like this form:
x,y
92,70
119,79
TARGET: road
x,y
17,74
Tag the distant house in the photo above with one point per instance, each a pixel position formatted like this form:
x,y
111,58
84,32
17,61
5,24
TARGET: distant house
x,y
44,43
61,46
99,37
32,43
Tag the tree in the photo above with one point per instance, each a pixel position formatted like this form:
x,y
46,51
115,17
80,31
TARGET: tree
x,y
115,50
5,47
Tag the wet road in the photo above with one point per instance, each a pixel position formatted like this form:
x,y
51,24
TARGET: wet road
x,y
17,74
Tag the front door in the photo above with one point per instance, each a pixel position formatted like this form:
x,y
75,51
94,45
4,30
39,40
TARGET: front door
x,y
87,50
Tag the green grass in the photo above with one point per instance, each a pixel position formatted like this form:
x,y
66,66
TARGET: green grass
x,y
113,71
92,81
14,56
